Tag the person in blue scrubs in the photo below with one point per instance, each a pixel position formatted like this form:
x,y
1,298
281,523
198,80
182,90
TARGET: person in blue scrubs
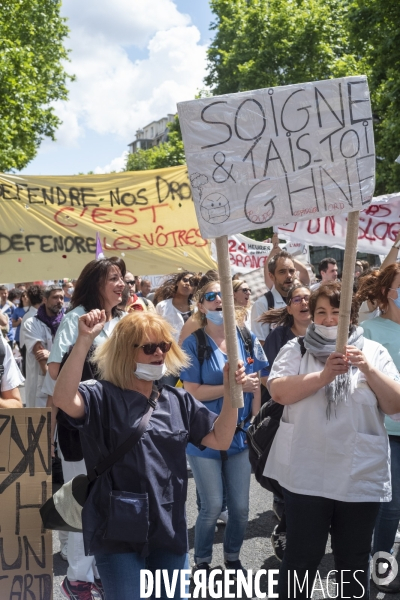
x,y
212,469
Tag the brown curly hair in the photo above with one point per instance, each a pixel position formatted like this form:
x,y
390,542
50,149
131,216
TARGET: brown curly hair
x,y
375,286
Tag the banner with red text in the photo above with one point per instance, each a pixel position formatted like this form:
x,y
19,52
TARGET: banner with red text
x,y
246,255
48,224
379,225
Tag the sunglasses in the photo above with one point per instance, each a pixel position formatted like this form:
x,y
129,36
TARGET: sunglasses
x,y
210,296
132,282
187,280
151,348
298,299
245,290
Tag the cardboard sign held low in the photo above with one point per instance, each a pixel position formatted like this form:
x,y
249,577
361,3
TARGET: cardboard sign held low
x,y
26,553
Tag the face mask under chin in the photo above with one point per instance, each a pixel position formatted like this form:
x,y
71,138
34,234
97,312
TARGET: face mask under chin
x,y
215,316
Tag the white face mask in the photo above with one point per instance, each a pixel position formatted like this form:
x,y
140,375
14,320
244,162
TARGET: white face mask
x,y
150,372
329,333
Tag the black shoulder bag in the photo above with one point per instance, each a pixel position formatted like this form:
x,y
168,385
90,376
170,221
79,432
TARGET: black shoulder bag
x,y
261,434
63,510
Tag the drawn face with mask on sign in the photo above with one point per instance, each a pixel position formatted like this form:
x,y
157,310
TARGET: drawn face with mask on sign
x,y
215,208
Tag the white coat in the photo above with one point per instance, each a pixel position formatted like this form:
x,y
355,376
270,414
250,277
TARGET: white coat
x,y
35,331
346,457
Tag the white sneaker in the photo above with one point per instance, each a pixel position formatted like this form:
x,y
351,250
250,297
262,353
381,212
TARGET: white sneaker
x,y
397,538
223,517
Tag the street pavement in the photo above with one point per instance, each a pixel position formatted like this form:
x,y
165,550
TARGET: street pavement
x,y
256,552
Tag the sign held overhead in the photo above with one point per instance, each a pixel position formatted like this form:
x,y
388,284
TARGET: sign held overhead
x,y
279,155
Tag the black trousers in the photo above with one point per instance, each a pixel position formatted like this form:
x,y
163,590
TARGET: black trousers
x,y
308,521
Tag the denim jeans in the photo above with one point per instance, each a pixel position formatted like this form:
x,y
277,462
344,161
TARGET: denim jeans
x,y
120,573
209,474
389,512
308,522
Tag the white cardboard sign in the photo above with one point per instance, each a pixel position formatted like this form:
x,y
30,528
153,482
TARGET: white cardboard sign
x,y
279,155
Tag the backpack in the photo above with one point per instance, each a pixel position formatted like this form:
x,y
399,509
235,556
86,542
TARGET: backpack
x,y
204,351
270,299
261,434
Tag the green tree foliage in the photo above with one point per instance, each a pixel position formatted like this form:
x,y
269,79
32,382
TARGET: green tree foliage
x,y
262,43
167,154
375,29
32,76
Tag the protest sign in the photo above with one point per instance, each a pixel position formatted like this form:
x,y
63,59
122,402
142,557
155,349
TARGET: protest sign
x,y
26,551
246,255
49,224
378,227
279,155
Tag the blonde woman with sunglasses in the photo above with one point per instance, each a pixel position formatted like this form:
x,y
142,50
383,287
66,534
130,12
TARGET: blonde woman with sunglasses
x,y
134,517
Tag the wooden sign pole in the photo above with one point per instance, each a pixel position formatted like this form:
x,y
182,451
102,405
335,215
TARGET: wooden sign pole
x,y
228,307
347,280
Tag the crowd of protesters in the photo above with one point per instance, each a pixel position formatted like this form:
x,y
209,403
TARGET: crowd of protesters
x,y
101,349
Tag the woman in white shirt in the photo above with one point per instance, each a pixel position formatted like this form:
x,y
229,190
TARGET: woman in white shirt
x,y
173,303
10,379
173,300
330,453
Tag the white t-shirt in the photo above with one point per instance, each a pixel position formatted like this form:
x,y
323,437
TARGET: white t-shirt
x,y
260,306
344,458
12,377
166,309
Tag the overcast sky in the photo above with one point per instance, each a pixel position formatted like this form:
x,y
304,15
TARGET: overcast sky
x,y
133,61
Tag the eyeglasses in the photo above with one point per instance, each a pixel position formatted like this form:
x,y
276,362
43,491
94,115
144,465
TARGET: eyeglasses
x,y
210,296
151,348
187,280
298,299
132,282
245,290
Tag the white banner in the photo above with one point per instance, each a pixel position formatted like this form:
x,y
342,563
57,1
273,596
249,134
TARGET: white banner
x,y
279,155
379,226
246,255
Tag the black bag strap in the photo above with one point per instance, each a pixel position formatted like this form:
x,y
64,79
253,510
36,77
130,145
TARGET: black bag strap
x,y
129,443
2,356
247,340
204,349
146,302
303,349
270,299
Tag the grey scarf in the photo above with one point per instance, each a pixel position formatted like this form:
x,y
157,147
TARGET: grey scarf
x,y
338,390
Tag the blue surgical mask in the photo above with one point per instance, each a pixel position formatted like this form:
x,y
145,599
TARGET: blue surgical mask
x,y
397,300
215,316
